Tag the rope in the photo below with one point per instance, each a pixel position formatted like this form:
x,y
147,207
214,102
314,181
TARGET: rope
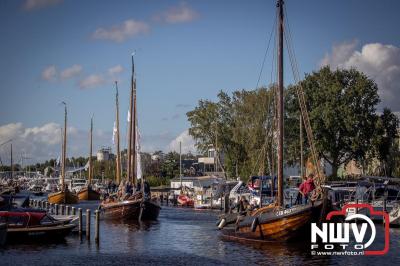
x,y
320,178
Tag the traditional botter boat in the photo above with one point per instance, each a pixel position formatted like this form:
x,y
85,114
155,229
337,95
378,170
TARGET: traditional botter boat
x,y
87,192
280,222
139,206
64,196
25,225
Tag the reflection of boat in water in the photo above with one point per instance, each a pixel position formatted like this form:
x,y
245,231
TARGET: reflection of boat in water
x,y
25,225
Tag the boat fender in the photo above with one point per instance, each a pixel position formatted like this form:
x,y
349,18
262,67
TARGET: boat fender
x,y
222,223
254,224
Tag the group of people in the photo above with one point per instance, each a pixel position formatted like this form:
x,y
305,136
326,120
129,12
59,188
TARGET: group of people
x,y
126,189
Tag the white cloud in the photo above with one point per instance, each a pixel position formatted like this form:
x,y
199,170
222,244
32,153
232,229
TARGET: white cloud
x,y
179,14
92,81
38,4
115,70
187,142
49,73
44,142
72,71
378,61
119,33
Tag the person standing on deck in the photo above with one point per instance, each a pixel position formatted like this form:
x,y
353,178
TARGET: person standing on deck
x,y
307,187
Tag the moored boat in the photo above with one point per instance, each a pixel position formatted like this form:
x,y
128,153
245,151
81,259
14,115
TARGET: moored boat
x,y
27,225
185,201
64,196
87,193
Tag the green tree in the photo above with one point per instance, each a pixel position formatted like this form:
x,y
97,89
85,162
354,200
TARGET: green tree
x,y
341,105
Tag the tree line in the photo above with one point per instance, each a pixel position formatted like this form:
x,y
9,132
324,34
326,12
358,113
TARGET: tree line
x,y
342,106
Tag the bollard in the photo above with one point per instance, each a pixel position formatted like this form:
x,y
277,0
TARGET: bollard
x,y
67,210
34,203
62,209
52,208
56,208
88,224
31,203
97,226
42,204
46,204
80,221
73,211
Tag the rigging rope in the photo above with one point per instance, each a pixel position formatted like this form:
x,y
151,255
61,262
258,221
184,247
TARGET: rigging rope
x,y
320,178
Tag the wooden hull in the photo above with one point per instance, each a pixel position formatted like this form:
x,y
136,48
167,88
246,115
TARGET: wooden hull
x,y
277,225
42,232
88,193
63,197
130,210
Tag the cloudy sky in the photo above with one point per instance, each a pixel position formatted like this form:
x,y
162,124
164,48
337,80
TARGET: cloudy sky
x,y
73,51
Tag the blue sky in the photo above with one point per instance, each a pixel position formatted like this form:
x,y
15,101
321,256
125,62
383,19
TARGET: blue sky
x,y
185,50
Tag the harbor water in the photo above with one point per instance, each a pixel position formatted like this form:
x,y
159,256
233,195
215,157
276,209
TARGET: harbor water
x,y
179,237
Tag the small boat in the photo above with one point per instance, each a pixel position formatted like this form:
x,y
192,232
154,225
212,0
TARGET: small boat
x,y
86,192
27,225
64,196
185,201
394,216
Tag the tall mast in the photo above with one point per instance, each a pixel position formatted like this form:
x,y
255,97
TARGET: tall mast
x,y
130,127
118,167
91,151
12,165
134,124
64,148
280,102
180,162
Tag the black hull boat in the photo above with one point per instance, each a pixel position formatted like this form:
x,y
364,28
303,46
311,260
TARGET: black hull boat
x,y
130,210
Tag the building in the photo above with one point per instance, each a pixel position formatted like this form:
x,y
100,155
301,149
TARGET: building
x,y
104,154
195,185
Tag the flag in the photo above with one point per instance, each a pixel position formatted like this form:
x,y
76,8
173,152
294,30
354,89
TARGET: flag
x,y
138,159
114,132
86,166
128,118
58,160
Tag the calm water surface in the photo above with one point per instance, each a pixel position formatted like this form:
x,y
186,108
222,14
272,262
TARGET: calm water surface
x,y
179,237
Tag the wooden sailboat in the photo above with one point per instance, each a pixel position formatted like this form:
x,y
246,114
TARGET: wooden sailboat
x,y
87,192
64,196
137,206
279,222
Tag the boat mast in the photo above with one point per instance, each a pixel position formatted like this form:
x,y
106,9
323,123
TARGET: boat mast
x,y
129,161
134,125
118,166
90,151
12,165
64,148
180,162
280,103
